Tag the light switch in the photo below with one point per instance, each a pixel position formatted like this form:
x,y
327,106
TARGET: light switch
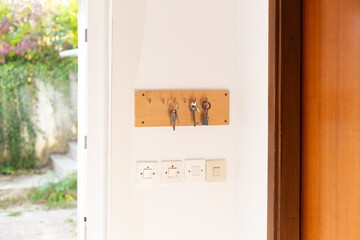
x,y
216,170
147,172
172,171
195,170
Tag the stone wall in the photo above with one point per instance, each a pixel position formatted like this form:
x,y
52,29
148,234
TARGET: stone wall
x,y
56,118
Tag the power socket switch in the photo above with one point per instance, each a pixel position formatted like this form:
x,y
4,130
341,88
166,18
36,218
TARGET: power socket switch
x,y
216,170
147,172
172,171
195,170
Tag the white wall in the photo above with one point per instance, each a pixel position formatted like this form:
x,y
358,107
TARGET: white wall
x,y
190,44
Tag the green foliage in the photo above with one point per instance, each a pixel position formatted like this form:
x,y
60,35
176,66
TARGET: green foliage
x,y
56,194
66,16
8,170
34,31
31,36
14,214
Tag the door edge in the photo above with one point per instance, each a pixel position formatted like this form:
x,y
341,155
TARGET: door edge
x,y
284,123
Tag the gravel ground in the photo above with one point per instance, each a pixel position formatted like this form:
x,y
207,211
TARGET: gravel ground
x,y
37,223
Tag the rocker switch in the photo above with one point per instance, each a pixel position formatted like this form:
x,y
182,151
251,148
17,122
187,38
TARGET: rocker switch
x,y
173,172
148,173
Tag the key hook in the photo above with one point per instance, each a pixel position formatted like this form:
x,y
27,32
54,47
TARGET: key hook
x,y
172,107
193,103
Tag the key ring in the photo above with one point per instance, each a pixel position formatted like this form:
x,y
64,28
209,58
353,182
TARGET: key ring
x,y
193,108
206,105
171,106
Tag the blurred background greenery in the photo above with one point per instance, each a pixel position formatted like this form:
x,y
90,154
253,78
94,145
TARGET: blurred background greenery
x,y
32,33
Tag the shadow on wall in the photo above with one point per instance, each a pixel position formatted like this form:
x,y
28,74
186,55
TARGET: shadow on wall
x,y
56,118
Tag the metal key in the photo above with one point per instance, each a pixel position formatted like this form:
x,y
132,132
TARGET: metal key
x,y
206,105
193,109
174,117
174,107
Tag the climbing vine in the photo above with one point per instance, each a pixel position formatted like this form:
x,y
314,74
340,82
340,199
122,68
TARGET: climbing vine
x,y
31,36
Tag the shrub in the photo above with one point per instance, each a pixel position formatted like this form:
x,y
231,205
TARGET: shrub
x,y
31,36
56,194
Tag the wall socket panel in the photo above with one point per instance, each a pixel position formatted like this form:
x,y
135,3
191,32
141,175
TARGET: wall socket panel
x,y
216,170
194,170
178,171
172,171
148,172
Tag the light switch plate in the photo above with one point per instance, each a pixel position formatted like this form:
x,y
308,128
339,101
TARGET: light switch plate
x,y
216,170
147,172
172,171
194,170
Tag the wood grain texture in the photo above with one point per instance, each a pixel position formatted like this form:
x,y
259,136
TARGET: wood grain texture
x,y
273,115
284,120
152,108
330,187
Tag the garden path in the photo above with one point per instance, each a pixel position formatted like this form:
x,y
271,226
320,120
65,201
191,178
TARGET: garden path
x,y
37,223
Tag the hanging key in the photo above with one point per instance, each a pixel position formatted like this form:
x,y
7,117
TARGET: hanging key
x,y
206,105
174,115
193,109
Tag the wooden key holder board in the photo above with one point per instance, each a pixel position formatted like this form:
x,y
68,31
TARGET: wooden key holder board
x,y
152,108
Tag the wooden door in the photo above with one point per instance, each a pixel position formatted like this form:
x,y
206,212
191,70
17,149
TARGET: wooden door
x,y
330,160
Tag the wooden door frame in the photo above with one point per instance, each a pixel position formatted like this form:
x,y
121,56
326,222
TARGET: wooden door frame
x,y
284,129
